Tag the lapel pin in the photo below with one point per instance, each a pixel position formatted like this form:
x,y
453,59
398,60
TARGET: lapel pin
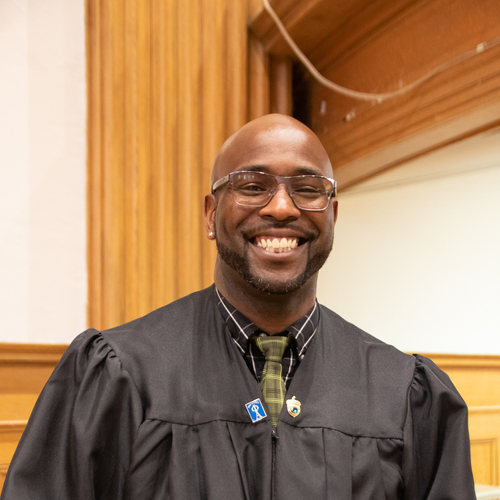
x,y
293,406
256,410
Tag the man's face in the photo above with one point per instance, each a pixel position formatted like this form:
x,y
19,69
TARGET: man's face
x,y
246,236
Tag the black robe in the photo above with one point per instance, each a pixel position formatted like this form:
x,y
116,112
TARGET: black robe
x,y
155,409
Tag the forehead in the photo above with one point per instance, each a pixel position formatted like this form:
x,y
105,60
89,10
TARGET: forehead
x,y
278,150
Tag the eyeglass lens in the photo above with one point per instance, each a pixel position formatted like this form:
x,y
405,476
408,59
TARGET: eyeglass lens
x,y
256,189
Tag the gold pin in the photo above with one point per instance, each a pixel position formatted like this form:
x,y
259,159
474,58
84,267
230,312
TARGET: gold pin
x,y
293,406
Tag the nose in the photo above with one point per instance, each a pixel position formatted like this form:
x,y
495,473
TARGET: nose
x,y
281,206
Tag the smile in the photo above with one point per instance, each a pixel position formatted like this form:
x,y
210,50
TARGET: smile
x,y
277,245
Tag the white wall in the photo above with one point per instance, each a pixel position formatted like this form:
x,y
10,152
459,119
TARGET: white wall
x,y
42,161
416,259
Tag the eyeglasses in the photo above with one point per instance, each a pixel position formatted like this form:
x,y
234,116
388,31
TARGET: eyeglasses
x,y
256,189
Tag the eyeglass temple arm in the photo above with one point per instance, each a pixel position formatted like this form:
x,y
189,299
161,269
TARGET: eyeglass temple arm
x,y
217,184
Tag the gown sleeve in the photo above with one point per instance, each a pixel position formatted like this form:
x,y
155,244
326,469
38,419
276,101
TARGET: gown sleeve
x,y
436,458
78,439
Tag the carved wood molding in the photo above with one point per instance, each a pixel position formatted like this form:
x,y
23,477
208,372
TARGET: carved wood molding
x,y
446,361
484,409
10,426
31,353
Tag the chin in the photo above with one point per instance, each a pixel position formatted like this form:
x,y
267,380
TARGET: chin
x,y
240,264
278,287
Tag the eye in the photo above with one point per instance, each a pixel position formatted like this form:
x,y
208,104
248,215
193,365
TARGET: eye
x,y
252,188
308,190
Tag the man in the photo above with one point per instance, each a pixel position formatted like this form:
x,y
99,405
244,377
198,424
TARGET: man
x,y
170,406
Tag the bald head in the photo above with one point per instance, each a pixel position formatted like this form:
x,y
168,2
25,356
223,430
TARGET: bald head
x,y
269,137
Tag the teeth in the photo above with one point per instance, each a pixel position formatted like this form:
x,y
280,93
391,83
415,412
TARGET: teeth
x,y
277,245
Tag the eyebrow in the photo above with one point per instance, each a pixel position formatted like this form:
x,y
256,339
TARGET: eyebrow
x,y
300,170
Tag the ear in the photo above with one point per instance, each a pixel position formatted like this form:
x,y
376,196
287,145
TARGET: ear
x,y
335,211
210,205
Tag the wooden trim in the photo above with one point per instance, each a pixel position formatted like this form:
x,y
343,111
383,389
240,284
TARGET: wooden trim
x,y
476,115
8,426
24,369
24,352
446,361
484,409
31,353
51,353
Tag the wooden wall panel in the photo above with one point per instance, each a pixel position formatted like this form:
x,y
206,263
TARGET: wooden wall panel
x,y
477,378
167,83
163,152
484,440
10,434
24,370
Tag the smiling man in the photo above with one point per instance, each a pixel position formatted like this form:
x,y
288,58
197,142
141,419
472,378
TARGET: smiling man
x,y
273,234
248,390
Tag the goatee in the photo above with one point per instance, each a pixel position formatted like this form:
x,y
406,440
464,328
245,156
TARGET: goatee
x,y
240,264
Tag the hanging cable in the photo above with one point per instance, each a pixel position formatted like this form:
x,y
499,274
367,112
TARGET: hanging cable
x,y
363,95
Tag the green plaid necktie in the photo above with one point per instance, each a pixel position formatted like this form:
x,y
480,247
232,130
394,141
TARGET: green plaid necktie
x,y
272,383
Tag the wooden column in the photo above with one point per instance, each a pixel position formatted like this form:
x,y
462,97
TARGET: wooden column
x,y
258,67
280,81
166,85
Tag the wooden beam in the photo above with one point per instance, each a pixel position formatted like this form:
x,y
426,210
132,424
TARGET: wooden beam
x,y
408,147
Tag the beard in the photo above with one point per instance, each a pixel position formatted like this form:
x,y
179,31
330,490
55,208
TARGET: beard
x,y
240,264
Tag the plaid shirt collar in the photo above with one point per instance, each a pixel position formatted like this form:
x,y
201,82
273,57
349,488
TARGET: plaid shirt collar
x,y
241,328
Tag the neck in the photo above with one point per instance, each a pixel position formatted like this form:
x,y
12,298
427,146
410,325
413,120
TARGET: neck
x,y
271,312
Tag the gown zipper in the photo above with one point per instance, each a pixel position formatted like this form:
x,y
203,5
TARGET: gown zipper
x,y
274,437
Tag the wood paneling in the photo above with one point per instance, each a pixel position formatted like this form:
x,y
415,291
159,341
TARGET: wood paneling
x,y
167,83
484,450
477,378
24,370
380,46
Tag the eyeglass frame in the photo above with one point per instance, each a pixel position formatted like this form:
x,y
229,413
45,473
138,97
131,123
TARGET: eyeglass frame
x,y
280,180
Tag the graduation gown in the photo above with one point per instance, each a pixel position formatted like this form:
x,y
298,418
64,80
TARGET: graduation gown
x,y
155,409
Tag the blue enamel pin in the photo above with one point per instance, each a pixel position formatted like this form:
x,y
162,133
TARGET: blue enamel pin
x,y
255,410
